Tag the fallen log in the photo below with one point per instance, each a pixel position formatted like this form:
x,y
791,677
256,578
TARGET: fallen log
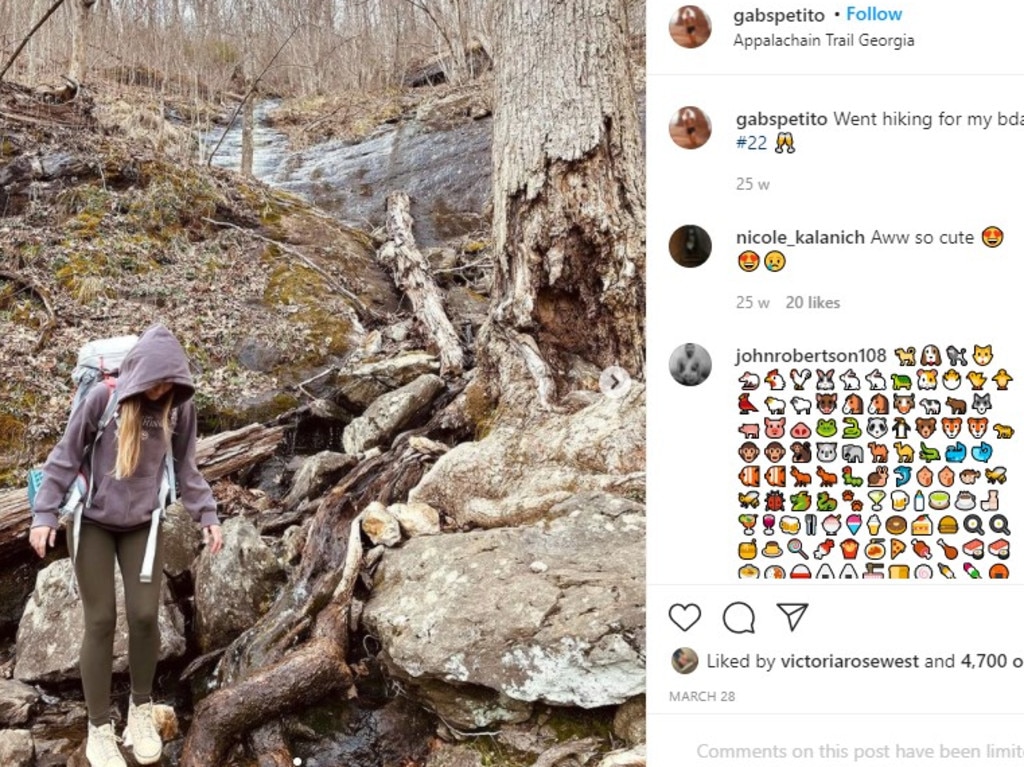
x,y
217,456
411,273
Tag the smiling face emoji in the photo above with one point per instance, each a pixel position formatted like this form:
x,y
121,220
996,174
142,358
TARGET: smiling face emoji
x,y
992,236
774,261
749,260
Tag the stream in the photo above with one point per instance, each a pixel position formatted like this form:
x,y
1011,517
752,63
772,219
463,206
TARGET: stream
x,y
447,173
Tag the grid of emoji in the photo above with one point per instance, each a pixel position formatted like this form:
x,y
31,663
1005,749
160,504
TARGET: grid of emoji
x,y
891,471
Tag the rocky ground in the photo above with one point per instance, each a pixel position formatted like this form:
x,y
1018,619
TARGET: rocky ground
x,y
499,612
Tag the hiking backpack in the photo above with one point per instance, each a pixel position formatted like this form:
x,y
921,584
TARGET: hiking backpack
x,y
99,363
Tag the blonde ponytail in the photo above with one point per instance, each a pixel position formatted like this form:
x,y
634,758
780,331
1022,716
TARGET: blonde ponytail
x,y
129,434
129,438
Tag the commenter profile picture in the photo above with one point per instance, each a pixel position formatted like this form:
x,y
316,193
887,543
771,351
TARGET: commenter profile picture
x,y
684,660
690,364
689,245
690,27
690,128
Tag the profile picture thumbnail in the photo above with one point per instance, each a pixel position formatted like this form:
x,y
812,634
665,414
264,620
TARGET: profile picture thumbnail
x,y
685,660
690,27
690,364
689,245
690,128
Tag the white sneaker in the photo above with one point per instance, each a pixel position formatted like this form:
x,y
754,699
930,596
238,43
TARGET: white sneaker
x,y
101,749
141,736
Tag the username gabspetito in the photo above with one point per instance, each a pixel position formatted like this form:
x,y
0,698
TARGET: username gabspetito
x,y
757,16
761,120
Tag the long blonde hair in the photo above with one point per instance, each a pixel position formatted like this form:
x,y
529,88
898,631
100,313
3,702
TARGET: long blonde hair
x,y
129,434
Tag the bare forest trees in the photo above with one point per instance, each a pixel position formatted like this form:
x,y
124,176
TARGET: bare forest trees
x,y
568,200
200,44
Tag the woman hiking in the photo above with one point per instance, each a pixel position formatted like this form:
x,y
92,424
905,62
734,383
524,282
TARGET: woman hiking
x,y
155,418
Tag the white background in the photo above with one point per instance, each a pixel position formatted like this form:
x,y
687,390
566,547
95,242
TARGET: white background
x,y
911,180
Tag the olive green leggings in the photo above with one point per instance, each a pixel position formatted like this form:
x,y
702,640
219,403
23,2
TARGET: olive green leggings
x,y
94,568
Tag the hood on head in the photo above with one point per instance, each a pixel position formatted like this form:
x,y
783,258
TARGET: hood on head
x,y
157,357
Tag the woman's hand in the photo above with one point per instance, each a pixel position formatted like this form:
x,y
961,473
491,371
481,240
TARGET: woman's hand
x,y
212,537
40,536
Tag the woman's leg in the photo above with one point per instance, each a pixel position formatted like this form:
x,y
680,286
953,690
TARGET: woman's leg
x,y
94,569
142,605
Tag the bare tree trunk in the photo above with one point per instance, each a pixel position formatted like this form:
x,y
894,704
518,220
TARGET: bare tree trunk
x,y
33,58
248,67
568,198
82,11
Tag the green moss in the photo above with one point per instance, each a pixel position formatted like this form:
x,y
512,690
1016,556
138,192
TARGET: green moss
x,y
85,225
20,308
577,723
216,417
83,273
482,409
18,448
302,290
12,432
85,199
173,201
495,754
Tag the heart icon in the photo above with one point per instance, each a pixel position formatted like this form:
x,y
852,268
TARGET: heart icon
x,y
684,616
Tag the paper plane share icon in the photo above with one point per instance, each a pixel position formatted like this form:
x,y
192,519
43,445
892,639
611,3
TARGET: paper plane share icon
x,y
794,612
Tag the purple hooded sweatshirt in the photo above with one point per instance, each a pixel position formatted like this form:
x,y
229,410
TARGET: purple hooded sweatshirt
x,y
122,504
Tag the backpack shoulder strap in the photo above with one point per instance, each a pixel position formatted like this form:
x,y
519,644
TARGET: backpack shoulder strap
x,y
108,415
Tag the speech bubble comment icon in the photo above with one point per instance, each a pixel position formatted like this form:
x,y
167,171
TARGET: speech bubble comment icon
x,y
739,618
684,616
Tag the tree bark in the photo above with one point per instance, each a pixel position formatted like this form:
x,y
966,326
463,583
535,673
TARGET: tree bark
x,y
568,199
314,670
411,273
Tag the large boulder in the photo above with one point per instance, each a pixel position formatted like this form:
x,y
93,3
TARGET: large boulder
x,y
235,586
516,474
317,473
52,627
390,413
564,624
183,540
17,748
16,701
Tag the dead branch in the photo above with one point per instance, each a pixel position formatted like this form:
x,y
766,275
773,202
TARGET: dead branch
x,y
411,273
43,297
